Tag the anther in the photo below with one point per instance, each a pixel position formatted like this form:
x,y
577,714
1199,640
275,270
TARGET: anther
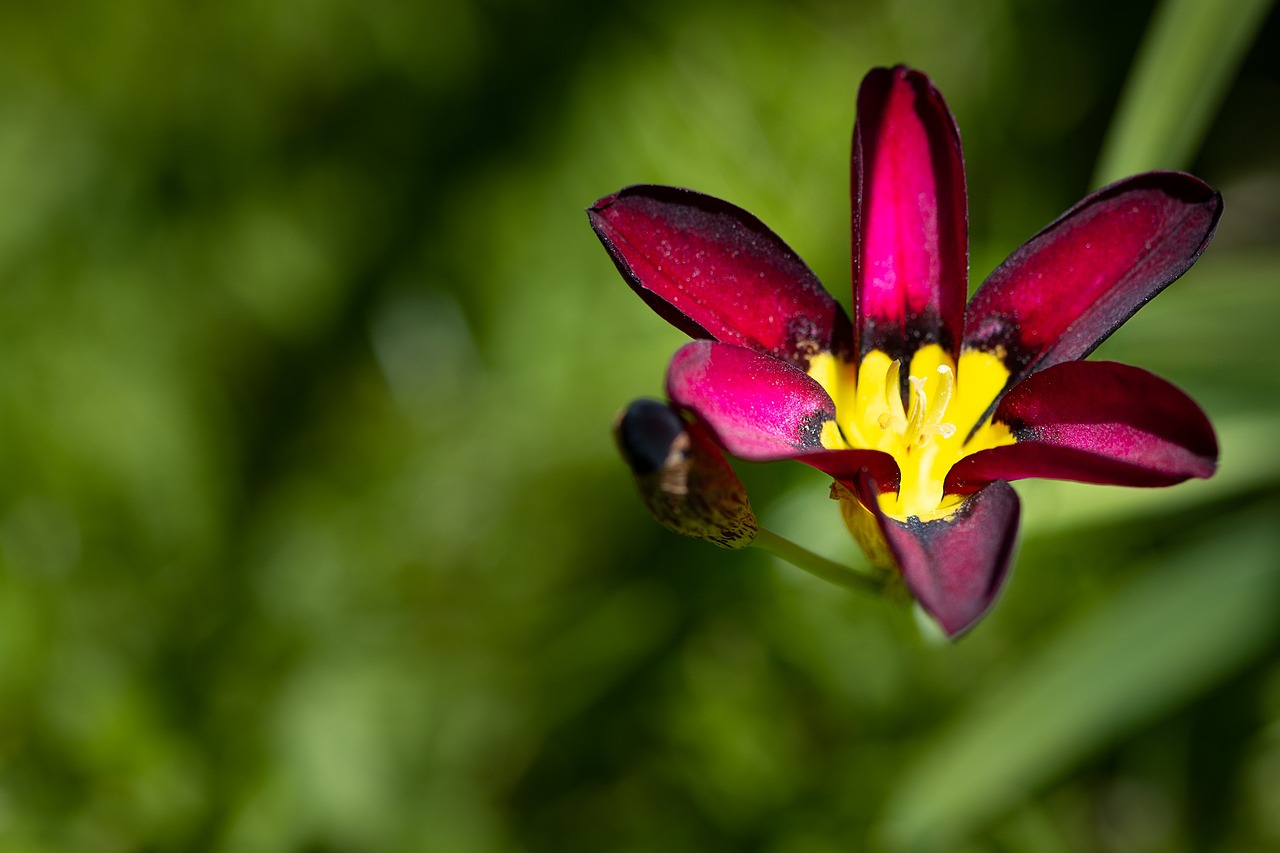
x,y
931,422
925,411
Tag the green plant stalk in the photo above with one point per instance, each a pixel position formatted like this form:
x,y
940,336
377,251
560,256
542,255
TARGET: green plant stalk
x,y
820,567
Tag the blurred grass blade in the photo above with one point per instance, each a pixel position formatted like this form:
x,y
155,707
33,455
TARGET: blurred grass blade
x,y
1189,56
1174,632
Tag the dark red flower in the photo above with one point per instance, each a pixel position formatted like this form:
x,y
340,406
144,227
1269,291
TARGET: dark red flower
x,y
922,409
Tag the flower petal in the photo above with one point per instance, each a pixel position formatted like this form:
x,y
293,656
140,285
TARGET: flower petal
x,y
758,407
1095,422
910,217
848,466
1063,292
954,566
713,270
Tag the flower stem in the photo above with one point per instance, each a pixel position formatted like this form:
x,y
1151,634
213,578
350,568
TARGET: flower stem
x,y
821,567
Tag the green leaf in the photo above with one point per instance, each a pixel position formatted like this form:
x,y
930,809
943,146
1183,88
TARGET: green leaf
x,y
1186,61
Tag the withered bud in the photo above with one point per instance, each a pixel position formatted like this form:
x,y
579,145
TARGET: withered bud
x,y
682,476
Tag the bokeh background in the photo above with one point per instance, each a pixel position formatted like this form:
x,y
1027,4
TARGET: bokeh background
x,y
312,535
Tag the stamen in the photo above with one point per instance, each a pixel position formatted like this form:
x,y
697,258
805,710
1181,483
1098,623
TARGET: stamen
x,y
921,418
916,410
925,418
894,418
941,399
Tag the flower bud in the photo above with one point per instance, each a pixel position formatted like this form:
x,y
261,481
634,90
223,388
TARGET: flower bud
x,y
683,477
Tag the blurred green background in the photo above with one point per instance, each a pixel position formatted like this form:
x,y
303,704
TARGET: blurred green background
x,y
312,535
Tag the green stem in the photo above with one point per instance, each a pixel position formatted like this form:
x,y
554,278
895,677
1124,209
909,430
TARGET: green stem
x,y
821,567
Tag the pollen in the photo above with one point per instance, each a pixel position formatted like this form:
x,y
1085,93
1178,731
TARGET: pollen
x,y
927,423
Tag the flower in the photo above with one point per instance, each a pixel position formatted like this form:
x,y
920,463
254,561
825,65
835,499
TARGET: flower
x,y
922,409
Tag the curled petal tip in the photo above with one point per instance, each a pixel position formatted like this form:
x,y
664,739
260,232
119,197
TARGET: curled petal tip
x,y
604,201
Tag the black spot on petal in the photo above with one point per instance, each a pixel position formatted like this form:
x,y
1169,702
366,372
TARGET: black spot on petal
x,y
810,431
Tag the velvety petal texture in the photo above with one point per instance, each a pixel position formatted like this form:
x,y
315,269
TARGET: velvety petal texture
x,y
1063,292
757,406
713,270
1095,422
910,217
955,567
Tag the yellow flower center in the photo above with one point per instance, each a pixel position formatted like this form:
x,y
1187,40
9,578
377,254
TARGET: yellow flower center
x,y
926,431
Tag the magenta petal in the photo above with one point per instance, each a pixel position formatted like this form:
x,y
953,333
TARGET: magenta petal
x,y
713,270
910,216
1096,422
1069,287
956,566
848,466
757,406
